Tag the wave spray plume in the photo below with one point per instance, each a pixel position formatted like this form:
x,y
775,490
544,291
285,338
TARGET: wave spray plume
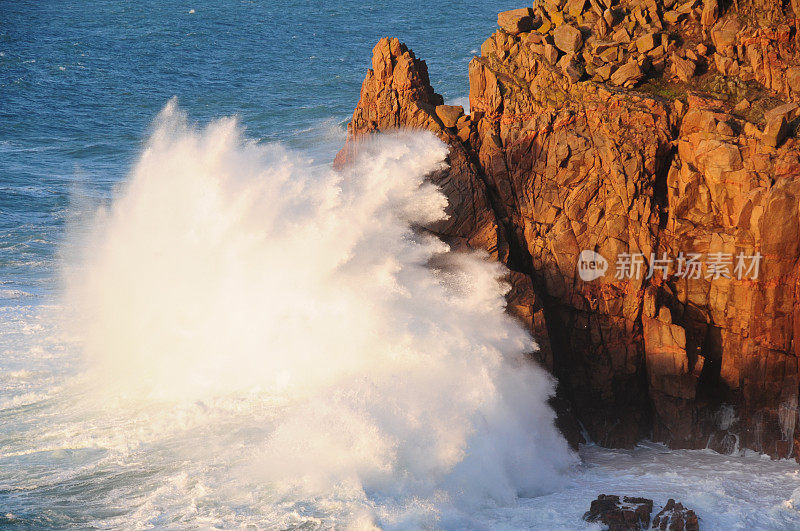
x,y
225,270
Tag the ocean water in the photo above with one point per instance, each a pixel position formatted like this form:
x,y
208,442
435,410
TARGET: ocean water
x,y
202,325
82,81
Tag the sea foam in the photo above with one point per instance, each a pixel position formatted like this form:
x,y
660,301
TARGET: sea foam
x,y
226,268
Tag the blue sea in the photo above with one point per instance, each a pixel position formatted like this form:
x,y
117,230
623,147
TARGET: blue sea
x,y
82,81
203,326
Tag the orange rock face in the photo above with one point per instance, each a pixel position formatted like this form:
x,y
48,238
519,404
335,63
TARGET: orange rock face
x,y
691,336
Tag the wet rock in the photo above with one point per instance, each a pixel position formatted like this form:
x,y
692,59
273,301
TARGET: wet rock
x,y
626,514
396,93
675,517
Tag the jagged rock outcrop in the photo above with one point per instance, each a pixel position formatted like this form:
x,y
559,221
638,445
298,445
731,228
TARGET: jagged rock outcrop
x,y
397,93
626,514
648,132
676,517
629,513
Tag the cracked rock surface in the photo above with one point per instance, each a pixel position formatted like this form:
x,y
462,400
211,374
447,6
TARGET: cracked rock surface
x,y
655,129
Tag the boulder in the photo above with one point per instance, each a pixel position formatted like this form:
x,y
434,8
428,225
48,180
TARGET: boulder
x,y
575,7
488,46
553,6
725,129
550,54
546,26
710,13
516,20
601,28
464,132
627,75
673,17
610,54
628,514
777,127
608,16
449,114
683,68
724,35
676,517
571,67
557,18
568,38
775,131
742,107
647,42
603,72
793,77
533,38
622,36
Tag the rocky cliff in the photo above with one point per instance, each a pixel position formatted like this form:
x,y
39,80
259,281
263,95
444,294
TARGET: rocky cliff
x,y
661,136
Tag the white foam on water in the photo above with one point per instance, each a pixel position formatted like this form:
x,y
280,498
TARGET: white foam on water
x,y
741,492
234,287
13,294
255,339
